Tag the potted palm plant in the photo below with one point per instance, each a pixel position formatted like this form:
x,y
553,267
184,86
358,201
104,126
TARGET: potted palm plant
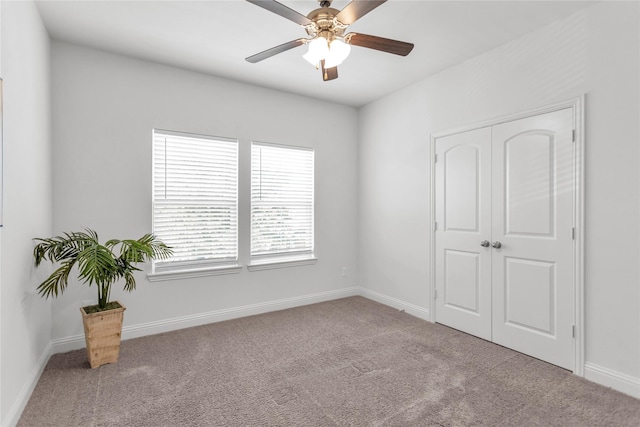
x,y
101,265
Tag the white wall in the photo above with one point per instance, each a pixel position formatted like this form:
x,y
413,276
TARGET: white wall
x,y
25,318
104,109
595,52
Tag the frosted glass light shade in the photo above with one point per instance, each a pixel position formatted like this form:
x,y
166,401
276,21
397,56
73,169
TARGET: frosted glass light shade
x,y
338,52
333,55
318,50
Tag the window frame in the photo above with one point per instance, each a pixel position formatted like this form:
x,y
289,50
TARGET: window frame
x,y
289,258
168,270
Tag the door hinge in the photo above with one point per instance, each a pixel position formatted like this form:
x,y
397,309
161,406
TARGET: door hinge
x,y
435,226
435,294
573,331
573,135
573,233
435,158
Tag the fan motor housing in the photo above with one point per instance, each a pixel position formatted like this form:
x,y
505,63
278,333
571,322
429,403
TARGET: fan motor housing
x,y
324,20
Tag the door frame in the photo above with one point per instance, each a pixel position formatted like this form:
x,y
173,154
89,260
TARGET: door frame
x,y
578,211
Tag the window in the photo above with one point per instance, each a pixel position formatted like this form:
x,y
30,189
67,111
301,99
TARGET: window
x,y
281,204
195,200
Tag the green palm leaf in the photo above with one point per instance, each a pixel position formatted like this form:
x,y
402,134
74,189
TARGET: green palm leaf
x,y
96,263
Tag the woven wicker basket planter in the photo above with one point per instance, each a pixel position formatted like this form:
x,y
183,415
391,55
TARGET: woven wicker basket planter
x,y
102,333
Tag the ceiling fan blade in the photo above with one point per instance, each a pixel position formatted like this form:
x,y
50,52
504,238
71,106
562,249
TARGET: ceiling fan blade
x,y
379,43
275,50
356,10
282,10
329,73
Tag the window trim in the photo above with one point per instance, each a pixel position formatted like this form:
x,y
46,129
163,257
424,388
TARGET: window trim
x,y
167,270
282,259
270,262
194,272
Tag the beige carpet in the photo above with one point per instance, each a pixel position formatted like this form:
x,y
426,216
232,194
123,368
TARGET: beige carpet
x,y
345,362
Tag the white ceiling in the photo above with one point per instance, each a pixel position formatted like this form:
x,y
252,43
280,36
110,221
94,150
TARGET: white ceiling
x,y
214,37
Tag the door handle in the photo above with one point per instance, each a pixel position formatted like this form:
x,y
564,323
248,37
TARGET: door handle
x,y
496,245
485,243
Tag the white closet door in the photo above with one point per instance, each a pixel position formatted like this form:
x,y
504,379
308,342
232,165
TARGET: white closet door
x,y
463,217
510,187
532,218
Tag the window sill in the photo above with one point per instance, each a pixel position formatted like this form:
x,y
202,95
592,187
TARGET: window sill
x,y
284,262
195,272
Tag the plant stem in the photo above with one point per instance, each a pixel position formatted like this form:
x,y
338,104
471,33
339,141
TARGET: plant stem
x,y
102,298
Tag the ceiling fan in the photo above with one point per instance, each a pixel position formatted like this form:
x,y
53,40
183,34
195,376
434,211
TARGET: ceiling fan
x,y
328,43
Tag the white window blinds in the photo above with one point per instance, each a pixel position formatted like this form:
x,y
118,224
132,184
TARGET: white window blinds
x,y
195,198
281,200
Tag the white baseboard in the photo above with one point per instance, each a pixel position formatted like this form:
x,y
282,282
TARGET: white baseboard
x,y
13,416
61,345
610,378
412,309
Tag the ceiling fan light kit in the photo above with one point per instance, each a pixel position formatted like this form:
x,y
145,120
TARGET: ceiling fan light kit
x,y
333,54
328,45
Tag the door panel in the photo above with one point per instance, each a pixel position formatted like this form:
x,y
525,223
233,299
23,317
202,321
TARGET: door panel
x,y
461,177
532,217
530,294
528,184
463,215
461,281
